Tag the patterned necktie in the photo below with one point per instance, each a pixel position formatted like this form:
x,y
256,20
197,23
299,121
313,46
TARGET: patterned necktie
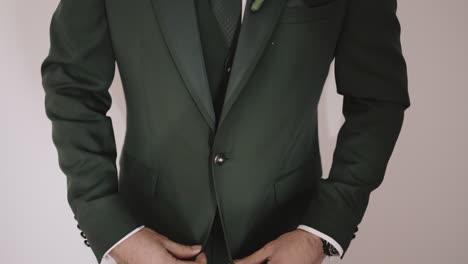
x,y
228,13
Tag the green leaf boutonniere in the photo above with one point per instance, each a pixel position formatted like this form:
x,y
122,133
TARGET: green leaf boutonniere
x,y
256,5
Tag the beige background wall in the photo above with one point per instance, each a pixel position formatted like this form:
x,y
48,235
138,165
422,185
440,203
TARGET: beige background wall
x,y
418,215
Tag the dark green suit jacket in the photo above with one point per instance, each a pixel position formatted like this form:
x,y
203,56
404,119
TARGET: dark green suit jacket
x,y
271,179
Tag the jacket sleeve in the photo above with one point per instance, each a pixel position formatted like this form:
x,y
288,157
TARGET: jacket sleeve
x,y
76,76
371,75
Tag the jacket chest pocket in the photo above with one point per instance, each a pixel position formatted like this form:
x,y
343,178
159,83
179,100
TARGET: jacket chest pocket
x,y
323,9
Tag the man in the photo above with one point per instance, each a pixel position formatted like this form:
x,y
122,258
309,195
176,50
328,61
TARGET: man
x,y
221,148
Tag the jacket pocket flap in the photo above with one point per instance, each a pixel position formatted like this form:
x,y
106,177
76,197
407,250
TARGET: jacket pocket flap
x,y
135,177
302,14
293,184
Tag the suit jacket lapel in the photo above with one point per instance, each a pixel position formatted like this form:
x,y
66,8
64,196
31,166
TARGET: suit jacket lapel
x,y
180,28
254,36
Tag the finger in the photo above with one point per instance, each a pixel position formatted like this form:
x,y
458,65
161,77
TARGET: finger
x,y
258,257
201,258
181,251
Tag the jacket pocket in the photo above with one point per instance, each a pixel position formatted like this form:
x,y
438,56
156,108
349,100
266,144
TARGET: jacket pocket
x,y
136,178
295,184
304,14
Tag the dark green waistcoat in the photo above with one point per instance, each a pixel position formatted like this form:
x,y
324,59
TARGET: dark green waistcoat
x,y
215,50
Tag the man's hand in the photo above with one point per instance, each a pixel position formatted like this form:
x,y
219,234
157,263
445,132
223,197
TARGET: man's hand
x,y
295,247
148,247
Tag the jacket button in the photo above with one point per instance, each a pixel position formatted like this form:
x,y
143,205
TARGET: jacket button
x,y
78,226
82,234
86,242
219,159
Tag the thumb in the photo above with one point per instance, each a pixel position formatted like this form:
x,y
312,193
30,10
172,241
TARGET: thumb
x,y
201,258
181,251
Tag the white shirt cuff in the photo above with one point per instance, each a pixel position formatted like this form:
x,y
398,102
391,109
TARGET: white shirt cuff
x,y
108,259
322,235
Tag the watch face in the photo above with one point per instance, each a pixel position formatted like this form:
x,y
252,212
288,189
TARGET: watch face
x,y
333,251
329,249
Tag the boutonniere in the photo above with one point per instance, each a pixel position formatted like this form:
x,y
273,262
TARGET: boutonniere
x,y
256,5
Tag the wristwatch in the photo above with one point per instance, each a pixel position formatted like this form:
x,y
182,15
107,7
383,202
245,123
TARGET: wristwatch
x,y
329,249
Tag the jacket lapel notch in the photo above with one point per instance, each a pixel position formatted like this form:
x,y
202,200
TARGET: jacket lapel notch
x,y
180,29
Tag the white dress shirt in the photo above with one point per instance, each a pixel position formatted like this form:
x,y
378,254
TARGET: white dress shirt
x,y
107,259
